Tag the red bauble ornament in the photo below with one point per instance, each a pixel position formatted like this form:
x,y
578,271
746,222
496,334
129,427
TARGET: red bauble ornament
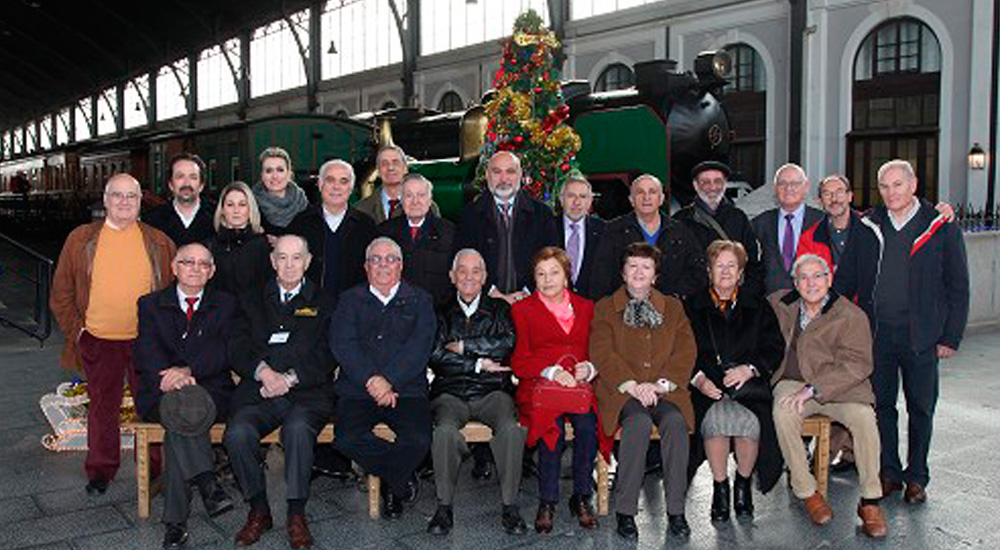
x,y
564,167
538,90
492,136
519,139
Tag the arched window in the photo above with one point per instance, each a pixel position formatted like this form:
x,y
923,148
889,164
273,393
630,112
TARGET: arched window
x,y
745,100
451,102
341,113
616,76
389,104
895,107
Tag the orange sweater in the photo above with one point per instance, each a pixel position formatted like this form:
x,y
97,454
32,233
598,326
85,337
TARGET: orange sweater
x,y
121,274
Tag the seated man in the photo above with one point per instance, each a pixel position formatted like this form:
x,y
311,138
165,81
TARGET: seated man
x,y
280,352
475,333
382,334
826,370
183,332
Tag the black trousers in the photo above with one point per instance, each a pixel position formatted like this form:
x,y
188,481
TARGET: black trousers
x,y
186,457
393,461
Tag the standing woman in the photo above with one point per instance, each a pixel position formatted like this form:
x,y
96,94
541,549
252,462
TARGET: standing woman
x,y
279,197
739,346
239,246
643,344
551,361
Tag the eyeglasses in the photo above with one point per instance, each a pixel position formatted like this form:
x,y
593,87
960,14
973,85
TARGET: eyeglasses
x,y
791,184
837,193
391,259
814,277
118,196
191,263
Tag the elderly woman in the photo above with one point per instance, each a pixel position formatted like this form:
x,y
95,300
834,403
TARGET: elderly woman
x,y
643,345
551,361
239,247
739,346
280,199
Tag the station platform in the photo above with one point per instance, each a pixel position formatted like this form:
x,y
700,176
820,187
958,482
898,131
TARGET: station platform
x,y
43,504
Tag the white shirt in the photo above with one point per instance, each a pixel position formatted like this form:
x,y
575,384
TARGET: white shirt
x,y
287,295
333,221
417,224
183,302
470,309
798,217
914,208
500,202
184,219
384,299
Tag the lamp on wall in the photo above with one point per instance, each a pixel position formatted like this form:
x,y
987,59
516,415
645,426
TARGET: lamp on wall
x,y
977,157
333,48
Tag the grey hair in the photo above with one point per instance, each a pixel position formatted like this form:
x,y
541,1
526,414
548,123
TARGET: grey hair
x,y
192,245
138,185
650,177
833,177
809,259
467,252
575,179
897,164
391,147
790,166
418,177
302,240
336,162
383,240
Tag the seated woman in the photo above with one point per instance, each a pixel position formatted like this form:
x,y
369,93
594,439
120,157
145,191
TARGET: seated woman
x,y
242,254
739,344
553,331
641,341
279,197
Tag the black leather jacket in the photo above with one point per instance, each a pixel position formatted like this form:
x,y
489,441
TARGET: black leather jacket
x,y
489,333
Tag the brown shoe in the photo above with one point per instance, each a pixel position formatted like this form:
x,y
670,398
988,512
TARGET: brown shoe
x,y
872,521
890,487
544,517
819,511
914,493
257,524
298,532
583,510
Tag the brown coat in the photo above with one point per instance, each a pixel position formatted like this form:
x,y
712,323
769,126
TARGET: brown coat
x,y
834,351
71,283
623,353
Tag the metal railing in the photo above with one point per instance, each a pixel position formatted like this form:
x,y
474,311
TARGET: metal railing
x,y
973,220
25,283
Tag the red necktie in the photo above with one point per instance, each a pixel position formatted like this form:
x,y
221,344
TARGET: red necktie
x,y
191,301
414,231
393,208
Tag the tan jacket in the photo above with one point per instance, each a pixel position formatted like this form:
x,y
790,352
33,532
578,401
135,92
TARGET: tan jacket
x,y
71,282
622,353
834,351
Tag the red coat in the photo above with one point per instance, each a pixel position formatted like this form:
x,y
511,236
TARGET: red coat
x,y
541,343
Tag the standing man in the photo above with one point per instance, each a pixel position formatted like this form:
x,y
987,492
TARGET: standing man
x,y
713,216
382,335
910,275
426,239
183,333
387,200
103,269
475,337
579,233
286,381
507,226
186,218
682,270
778,229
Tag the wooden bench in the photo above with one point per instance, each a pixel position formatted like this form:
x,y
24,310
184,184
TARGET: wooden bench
x,y
818,426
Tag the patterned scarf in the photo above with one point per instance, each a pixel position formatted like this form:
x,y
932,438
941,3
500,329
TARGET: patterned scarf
x,y
724,305
280,210
640,313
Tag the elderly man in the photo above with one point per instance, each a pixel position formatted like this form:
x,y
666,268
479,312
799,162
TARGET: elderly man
x,y
337,233
826,370
183,333
103,269
712,216
426,239
386,201
507,226
682,271
187,218
286,381
778,229
579,232
910,275
475,336
382,334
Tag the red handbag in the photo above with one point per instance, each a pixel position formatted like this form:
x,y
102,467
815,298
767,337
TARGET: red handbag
x,y
553,396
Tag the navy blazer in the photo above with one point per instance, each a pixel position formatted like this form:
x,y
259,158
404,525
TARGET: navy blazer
x,y
166,340
534,228
776,277
593,231
394,340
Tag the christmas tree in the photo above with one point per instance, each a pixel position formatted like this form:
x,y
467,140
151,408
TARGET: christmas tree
x,y
527,114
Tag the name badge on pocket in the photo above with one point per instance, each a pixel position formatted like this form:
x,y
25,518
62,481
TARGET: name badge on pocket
x,y
279,338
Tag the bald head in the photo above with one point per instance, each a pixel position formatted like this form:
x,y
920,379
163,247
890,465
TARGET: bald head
x,y
503,175
122,194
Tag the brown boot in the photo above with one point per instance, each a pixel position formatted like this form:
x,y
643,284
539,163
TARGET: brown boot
x,y
257,524
819,511
872,521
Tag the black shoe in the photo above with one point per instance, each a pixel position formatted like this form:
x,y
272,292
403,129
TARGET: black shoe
x,y
412,491
97,487
483,470
442,521
720,500
677,525
512,521
626,527
216,500
176,535
392,506
742,497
